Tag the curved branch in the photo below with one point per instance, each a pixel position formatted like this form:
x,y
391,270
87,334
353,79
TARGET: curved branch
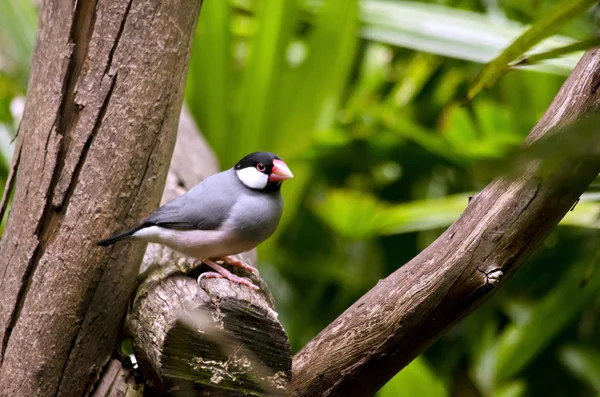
x,y
405,313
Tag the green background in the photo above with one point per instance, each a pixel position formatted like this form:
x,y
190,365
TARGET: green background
x,y
365,102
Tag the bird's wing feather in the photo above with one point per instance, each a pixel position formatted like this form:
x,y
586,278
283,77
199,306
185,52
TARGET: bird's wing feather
x,y
204,207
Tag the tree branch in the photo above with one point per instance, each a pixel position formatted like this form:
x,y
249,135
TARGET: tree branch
x,y
98,130
405,313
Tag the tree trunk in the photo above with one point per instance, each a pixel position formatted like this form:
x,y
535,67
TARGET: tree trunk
x,y
91,158
405,313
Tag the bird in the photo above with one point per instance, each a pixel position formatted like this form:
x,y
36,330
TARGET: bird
x,y
226,214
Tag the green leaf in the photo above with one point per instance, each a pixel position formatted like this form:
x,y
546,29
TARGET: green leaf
x,y
561,13
417,379
312,107
554,53
451,32
127,346
6,148
425,27
585,213
480,332
357,215
516,388
416,74
267,62
583,362
520,343
208,90
408,129
311,93
18,22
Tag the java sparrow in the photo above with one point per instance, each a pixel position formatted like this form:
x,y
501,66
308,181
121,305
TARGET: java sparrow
x,y
226,214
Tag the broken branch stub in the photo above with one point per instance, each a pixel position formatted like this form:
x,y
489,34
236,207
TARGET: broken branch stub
x,y
214,338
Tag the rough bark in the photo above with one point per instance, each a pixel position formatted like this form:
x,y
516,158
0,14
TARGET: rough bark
x,y
98,130
403,314
213,338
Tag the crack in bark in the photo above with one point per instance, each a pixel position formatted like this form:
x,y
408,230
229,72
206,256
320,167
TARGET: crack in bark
x,y
73,110
10,182
139,186
29,268
84,17
59,126
88,143
117,39
535,192
87,298
71,346
69,111
149,158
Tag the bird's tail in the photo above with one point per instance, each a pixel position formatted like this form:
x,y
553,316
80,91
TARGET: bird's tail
x,y
120,236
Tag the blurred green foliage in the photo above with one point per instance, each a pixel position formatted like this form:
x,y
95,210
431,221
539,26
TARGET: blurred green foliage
x,y
560,14
364,101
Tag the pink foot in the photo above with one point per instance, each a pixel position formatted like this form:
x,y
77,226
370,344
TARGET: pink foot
x,y
224,273
235,262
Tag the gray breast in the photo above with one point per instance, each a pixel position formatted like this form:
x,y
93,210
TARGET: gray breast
x,y
255,215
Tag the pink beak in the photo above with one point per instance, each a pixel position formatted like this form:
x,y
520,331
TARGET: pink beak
x,y
280,172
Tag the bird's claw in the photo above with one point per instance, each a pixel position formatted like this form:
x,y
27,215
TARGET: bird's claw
x,y
236,262
224,273
243,281
233,278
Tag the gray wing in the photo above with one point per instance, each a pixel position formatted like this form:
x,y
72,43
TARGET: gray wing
x,y
204,207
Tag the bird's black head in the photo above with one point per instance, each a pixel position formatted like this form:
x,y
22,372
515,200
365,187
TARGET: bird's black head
x,y
262,171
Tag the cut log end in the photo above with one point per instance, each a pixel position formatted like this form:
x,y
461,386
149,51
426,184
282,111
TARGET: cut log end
x,y
209,338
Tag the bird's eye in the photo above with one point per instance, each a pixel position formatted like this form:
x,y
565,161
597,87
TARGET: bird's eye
x,y
261,167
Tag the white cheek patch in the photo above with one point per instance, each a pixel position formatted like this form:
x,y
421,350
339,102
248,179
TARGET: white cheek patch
x,y
252,178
